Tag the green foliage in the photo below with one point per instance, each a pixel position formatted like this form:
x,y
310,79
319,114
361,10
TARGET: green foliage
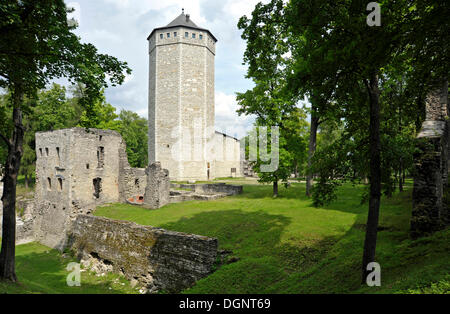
x,y
51,109
286,245
134,130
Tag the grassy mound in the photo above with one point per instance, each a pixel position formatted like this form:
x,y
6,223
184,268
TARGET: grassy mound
x,y
282,245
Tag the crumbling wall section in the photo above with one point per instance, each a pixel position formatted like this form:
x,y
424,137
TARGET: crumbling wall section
x,y
430,207
157,192
132,181
160,260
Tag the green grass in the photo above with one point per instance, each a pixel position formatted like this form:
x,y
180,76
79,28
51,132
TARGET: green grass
x,y
43,270
285,245
282,245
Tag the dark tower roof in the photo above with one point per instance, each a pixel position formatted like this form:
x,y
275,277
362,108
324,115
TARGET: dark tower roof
x,y
183,20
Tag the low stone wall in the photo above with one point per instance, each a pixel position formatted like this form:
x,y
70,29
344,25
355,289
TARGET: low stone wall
x,y
24,224
24,230
159,259
215,188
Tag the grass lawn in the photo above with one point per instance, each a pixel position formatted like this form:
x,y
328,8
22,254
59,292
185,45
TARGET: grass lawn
x,y
279,245
285,245
43,270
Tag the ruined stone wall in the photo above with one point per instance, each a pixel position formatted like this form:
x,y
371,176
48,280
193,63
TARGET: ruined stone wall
x,y
132,181
159,259
157,191
77,170
430,206
227,152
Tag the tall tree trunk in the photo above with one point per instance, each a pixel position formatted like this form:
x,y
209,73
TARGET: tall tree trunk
x,y
312,148
26,181
370,242
15,152
275,189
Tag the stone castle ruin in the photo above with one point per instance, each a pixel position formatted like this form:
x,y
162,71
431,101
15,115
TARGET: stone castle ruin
x,y
431,202
79,169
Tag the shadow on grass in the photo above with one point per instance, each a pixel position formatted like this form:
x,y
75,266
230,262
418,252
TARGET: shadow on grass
x,y
260,258
235,229
45,273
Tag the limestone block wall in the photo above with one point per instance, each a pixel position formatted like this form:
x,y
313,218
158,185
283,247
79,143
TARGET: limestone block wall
x,y
181,101
431,187
157,192
77,170
159,259
132,181
227,156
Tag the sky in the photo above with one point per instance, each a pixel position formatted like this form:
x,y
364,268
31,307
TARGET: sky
x,y
120,28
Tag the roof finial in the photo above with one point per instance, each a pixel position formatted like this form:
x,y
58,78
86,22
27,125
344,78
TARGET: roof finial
x,y
182,11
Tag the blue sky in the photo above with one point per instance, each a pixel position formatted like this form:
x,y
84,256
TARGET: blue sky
x,y
120,28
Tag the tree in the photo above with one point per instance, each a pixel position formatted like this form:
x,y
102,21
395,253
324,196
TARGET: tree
x,y
36,46
134,131
359,55
267,57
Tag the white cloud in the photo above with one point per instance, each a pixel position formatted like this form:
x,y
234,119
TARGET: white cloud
x,y
120,28
227,119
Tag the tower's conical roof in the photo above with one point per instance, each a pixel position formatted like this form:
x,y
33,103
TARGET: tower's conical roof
x,y
183,20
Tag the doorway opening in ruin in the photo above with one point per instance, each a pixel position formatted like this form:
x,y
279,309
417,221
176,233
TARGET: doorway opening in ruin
x,y
97,187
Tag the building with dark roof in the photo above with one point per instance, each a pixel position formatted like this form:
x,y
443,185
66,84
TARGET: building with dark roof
x,y
182,104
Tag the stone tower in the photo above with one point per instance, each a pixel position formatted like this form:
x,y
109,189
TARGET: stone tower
x,y
181,99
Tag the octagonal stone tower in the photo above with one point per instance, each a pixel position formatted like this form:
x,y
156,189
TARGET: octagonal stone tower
x,y
181,99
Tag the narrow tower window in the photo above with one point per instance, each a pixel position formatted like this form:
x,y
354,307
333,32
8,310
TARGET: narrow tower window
x,y
60,184
59,156
49,184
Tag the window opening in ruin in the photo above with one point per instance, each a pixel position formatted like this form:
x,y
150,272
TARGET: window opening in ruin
x,y
174,34
46,151
57,152
193,35
49,184
186,34
60,181
168,35
97,187
201,36
100,138
161,36
136,182
87,166
100,157
40,150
